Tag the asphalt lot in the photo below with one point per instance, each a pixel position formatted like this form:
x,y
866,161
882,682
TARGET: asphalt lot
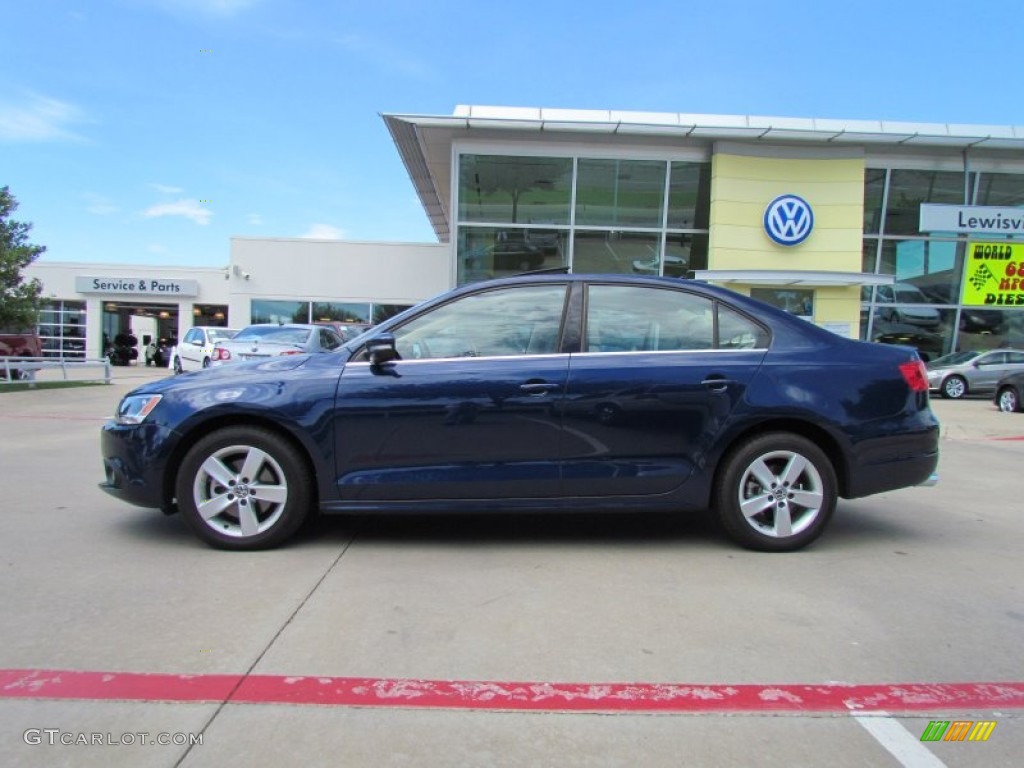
x,y
919,586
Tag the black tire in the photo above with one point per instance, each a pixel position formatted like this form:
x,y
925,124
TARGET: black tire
x,y
273,503
206,362
954,387
1008,400
177,365
806,500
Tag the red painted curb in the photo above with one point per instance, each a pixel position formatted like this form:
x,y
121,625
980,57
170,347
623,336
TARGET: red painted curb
x,y
489,695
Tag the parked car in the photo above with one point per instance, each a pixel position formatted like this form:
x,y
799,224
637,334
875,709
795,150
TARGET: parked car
x,y
17,344
258,342
347,331
489,398
1009,396
898,304
196,350
972,372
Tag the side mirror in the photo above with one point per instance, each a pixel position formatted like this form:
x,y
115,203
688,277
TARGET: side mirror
x,y
381,349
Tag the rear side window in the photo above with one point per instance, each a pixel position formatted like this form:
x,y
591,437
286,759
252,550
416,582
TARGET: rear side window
x,y
624,318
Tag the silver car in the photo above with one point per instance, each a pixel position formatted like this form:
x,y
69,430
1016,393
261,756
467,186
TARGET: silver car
x,y
259,342
972,372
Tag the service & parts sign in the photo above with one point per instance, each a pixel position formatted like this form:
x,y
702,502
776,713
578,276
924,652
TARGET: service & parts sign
x,y
994,275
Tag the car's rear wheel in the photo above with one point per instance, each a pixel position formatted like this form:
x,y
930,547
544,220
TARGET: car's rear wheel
x,y
1008,400
244,488
776,492
954,387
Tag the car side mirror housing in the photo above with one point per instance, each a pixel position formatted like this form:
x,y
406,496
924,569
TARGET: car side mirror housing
x,y
381,349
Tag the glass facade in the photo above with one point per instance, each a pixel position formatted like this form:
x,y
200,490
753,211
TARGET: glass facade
x,y
923,308
62,329
610,215
275,311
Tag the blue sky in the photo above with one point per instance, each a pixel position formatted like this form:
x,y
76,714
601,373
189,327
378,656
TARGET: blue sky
x,y
152,131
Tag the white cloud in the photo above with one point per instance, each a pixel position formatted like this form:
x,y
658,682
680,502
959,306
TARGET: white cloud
x,y
156,248
167,190
190,209
39,119
255,219
99,205
324,232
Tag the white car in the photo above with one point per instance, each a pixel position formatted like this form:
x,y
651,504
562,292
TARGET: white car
x,y
196,350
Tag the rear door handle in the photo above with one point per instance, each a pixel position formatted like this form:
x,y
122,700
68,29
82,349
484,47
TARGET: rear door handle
x,y
538,387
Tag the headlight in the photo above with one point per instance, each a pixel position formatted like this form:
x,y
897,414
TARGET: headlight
x,y
135,408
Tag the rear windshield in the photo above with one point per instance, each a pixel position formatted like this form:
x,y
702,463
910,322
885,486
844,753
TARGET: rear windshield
x,y
279,335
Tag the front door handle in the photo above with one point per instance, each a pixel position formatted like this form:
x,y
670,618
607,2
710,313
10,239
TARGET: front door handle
x,y
717,383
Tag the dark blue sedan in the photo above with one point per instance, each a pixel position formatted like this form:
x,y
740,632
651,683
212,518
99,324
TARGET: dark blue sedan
x,y
546,392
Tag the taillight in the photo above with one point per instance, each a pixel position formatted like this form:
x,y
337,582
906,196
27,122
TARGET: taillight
x,y
221,354
916,375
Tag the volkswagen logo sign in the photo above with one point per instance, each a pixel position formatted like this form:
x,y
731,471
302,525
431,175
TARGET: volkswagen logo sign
x,y
788,220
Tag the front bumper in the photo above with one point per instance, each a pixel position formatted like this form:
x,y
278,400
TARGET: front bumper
x,y
134,460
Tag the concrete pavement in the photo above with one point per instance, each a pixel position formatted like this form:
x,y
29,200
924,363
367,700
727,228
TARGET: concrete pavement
x,y
917,586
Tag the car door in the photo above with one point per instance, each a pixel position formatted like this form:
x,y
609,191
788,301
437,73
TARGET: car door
x,y
469,411
190,351
987,370
658,373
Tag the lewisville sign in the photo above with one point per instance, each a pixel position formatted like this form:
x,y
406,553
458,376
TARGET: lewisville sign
x,y
980,219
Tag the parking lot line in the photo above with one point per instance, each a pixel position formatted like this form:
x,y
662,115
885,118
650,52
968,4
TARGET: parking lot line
x,y
886,698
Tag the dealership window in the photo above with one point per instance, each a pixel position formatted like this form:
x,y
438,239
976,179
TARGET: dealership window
x,y
628,215
796,301
486,252
528,190
617,252
210,314
382,312
1001,189
342,312
62,328
689,196
620,193
908,189
874,195
268,311
933,267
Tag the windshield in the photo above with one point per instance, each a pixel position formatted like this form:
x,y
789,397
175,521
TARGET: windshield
x,y
274,333
954,359
221,334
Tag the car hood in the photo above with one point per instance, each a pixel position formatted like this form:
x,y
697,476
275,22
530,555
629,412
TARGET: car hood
x,y
227,374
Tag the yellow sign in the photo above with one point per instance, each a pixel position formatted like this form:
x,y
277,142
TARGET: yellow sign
x,y
994,275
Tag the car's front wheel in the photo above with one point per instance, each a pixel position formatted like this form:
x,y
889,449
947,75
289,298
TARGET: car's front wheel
x,y
1008,400
177,365
776,492
244,488
954,387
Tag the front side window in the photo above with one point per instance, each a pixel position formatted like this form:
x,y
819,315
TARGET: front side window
x,y
519,320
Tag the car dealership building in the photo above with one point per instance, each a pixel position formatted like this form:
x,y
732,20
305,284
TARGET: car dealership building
x,y
898,232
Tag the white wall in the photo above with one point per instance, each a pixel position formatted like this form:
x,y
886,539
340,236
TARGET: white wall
x,y
321,270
